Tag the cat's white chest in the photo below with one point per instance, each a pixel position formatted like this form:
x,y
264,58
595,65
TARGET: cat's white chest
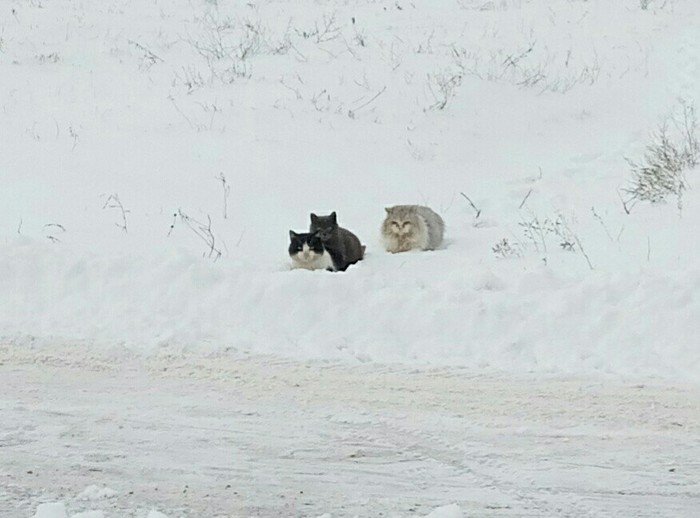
x,y
309,260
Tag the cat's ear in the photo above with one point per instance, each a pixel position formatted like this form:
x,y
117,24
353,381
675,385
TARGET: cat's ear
x,y
334,218
314,218
293,234
388,210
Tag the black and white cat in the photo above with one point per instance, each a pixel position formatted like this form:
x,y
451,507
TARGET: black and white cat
x,y
307,252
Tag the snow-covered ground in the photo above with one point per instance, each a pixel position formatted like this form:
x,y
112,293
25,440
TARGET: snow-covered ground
x,y
258,436
154,155
126,123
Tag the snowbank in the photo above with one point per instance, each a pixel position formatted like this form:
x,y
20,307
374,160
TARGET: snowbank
x,y
149,181
422,307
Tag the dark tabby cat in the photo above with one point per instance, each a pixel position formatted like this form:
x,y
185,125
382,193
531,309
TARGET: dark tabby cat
x,y
343,246
307,251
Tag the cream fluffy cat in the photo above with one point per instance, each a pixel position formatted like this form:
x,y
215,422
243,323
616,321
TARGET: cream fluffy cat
x,y
411,227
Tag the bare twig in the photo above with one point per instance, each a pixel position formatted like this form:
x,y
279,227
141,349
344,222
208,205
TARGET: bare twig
x,y
226,191
625,206
351,113
535,230
300,56
191,78
583,250
667,158
447,83
172,224
328,30
291,88
505,249
602,223
74,135
210,108
471,203
512,61
113,202
55,225
619,234
196,127
52,226
149,57
525,199
203,231
318,97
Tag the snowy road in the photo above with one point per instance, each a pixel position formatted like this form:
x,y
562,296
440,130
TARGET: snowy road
x,y
261,436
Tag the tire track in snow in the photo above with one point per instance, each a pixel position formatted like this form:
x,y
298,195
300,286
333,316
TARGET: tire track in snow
x,y
304,438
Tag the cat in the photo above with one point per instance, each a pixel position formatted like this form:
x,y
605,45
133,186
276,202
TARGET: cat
x,y
307,252
411,227
343,246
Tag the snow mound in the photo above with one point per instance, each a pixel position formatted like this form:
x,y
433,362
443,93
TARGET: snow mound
x,y
94,492
58,510
432,308
446,511
51,510
90,514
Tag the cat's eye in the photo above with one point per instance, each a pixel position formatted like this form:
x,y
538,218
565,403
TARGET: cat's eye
x,y
406,224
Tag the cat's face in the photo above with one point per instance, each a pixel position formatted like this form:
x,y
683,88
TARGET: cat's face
x,y
324,226
399,221
305,248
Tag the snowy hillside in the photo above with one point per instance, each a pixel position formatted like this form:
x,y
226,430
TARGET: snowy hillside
x,y
158,356
155,155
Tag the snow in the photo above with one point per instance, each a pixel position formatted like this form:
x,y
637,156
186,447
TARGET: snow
x,y
53,510
446,511
90,514
94,492
92,130
423,308
266,437
58,510
156,154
